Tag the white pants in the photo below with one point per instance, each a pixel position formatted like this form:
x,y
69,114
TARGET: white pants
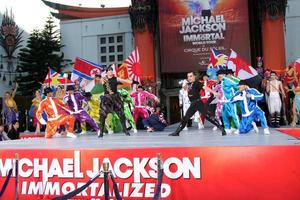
x,y
274,102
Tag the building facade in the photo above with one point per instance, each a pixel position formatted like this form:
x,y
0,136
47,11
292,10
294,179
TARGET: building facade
x,y
292,30
102,40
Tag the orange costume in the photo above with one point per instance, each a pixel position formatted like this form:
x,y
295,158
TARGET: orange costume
x,y
56,116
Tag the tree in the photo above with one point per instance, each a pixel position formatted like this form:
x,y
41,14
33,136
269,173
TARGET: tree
x,y
41,53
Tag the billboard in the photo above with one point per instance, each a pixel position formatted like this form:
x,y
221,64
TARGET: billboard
x,y
248,172
189,29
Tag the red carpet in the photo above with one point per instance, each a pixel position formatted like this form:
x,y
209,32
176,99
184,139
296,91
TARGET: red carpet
x,y
294,132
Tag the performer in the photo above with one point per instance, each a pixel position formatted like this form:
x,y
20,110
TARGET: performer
x,y
274,88
56,116
220,98
156,121
229,111
140,97
128,106
60,92
247,99
197,105
205,95
184,102
75,100
111,101
296,106
35,104
10,107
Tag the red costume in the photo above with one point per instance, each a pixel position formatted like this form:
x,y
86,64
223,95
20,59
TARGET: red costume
x,y
204,94
54,109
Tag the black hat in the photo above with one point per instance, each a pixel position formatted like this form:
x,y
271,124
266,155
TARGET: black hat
x,y
205,74
70,87
87,94
98,75
243,82
140,86
229,71
221,71
47,90
109,69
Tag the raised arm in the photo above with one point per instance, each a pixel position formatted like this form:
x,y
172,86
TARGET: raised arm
x,y
15,90
126,81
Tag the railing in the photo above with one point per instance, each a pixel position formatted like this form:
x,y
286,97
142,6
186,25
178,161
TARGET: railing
x,y
108,174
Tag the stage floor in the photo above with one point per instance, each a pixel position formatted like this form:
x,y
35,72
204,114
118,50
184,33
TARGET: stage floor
x,y
191,138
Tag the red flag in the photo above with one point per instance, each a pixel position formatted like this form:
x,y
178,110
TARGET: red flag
x,y
241,68
54,79
217,59
134,65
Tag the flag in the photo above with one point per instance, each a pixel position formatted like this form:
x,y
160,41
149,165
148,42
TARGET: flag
x,y
241,68
217,59
85,70
122,72
90,86
54,79
134,65
51,74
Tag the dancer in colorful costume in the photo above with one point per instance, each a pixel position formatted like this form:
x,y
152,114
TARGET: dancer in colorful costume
x,y
197,105
75,101
274,89
112,101
128,106
247,99
229,110
10,107
35,104
205,95
140,103
56,115
220,98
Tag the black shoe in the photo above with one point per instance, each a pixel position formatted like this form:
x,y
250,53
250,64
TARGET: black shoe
x,y
174,134
100,134
127,133
78,131
223,132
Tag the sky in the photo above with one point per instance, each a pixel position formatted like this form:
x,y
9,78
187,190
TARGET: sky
x,y
31,14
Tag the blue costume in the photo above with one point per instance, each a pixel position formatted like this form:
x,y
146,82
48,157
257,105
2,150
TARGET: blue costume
x,y
229,111
249,108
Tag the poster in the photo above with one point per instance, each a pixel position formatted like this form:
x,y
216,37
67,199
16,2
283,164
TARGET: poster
x,y
248,172
189,29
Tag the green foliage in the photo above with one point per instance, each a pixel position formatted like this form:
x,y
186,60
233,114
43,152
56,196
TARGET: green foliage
x,y
41,52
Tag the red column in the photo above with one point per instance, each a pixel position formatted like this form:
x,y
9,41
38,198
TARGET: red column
x,y
273,44
144,41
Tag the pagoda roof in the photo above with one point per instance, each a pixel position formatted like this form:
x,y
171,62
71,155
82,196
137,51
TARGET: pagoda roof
x,y
66,12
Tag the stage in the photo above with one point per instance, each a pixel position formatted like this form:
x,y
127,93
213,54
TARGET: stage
x,y
191,138
196,165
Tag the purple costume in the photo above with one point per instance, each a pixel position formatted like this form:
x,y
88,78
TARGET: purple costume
x,y
75,104
220,102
